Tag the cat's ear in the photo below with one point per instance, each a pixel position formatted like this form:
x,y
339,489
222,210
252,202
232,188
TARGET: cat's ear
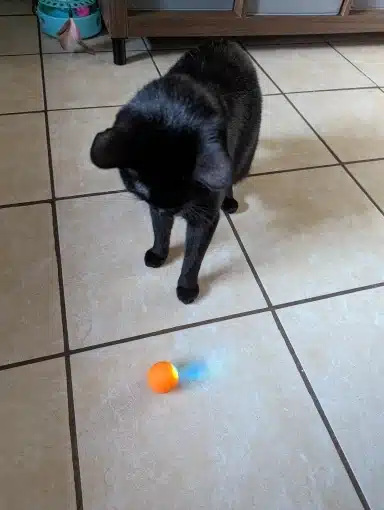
x,y
107,150
214,168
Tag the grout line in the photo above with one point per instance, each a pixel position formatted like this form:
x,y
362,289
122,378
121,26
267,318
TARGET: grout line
x,y
314,167
70,397
331,295
303,375
326,145
369,160
192,325
16,55
85,108
152,57
290,347
339,161
253,175
169,330
289,170
31,361
19,54
5,114
352,64
249,262
322,414
97,107
94,194
25,204
359,185
366,87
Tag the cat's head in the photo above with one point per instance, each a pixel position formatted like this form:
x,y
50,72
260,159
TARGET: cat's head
x,y
166,156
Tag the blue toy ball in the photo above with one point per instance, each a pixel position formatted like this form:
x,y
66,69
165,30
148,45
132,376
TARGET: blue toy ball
x,y
53,13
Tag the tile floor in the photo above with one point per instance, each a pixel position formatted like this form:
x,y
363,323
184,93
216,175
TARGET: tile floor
x,y
290,321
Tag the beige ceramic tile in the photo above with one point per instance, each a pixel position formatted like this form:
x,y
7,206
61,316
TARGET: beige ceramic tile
x,y
367,55
18,35
111,294
72,132
248,437
266,85
36,464
286,141
371,176
82,80
20,84
280,40
301,68
340,344
30,318
350,121
8,7
101,42
24,174
310,232
165,59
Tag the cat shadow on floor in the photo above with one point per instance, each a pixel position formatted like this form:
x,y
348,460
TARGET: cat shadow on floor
x,y
206,282
299,210
302,200
175,252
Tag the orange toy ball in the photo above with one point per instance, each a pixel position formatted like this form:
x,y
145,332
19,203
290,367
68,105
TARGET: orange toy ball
x,y
163,377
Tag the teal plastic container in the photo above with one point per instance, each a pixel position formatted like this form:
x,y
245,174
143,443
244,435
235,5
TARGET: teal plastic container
x,y
53,13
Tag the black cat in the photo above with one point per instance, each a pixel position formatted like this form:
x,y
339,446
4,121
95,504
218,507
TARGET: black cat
x,y
182,142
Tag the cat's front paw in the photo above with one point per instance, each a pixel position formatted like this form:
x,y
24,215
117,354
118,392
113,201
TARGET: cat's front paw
x,y
230,205
151,259
187,295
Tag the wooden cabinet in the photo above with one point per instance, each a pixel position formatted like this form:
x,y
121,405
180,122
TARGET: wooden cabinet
x,y
226,18
181,5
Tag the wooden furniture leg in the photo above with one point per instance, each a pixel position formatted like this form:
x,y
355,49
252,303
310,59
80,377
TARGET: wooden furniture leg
x,y
119,53
239,7
116,18
345,7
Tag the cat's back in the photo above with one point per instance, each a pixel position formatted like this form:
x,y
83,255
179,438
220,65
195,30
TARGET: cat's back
x,y
221,73
221,64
